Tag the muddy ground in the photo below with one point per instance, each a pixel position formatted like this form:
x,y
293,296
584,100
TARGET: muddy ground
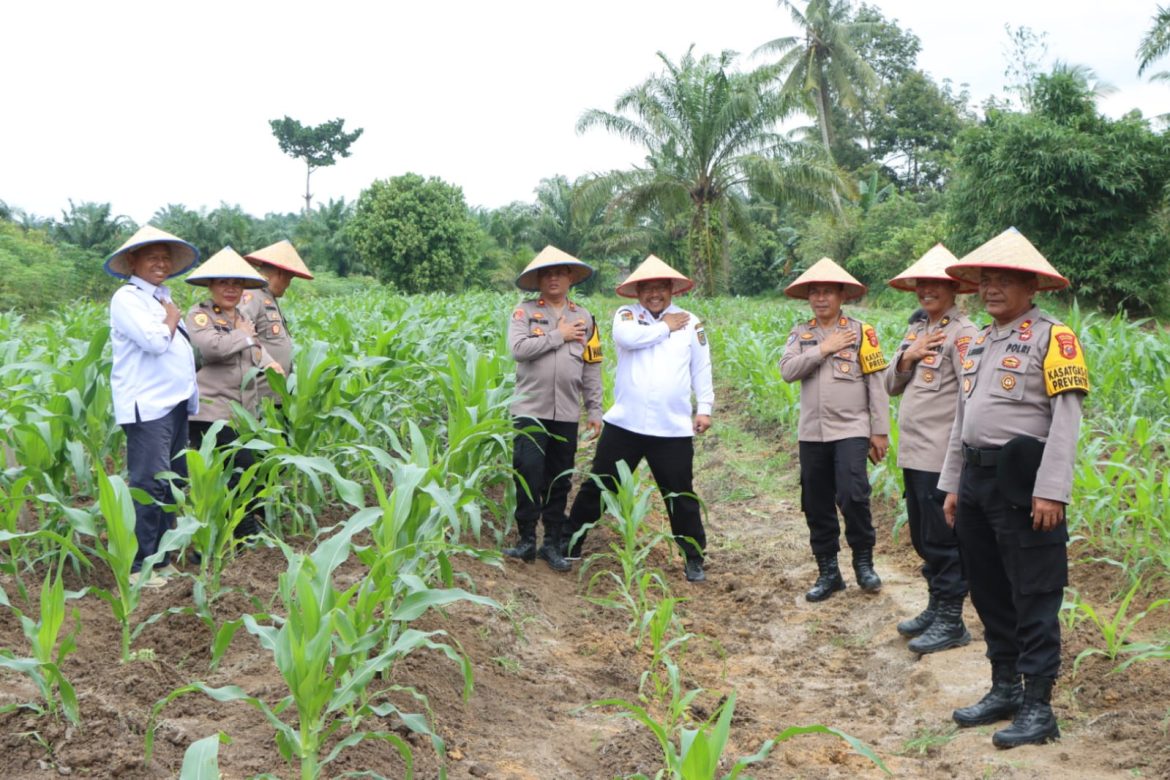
x,y
540,664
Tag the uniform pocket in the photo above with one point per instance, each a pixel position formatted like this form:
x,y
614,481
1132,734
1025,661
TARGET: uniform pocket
x,y
1042,560
846,371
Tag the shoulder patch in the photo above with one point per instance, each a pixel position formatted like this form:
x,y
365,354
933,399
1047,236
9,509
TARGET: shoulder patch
x,y
247,297
1064,365
518,314
201,319
592,352
627,315
961,344
872,358
701,334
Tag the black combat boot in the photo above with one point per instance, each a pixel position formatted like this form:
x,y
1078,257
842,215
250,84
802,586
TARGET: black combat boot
x,y
945,632
1034,723
829,581
920,622
867,578
525,549
1000,703
550,551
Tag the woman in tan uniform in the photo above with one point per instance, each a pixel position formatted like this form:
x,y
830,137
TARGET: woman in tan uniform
x,y
226,341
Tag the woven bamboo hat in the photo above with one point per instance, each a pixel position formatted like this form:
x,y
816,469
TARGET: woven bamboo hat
x,y
226,264
932,265
282,255
548,257
825,271
1009,251
653,268
184,255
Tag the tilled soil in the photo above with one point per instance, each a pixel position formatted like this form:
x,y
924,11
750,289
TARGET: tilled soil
x,y
541,662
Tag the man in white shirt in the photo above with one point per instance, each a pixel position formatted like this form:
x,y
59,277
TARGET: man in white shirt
x,y
663,359
153,376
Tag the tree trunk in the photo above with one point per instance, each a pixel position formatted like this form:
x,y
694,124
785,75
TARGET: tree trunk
x,y
698,241
308,195
823,121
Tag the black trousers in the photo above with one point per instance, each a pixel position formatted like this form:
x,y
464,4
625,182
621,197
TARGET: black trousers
x,y
1017,575
933,540
151,447
671,460
832,475
541,460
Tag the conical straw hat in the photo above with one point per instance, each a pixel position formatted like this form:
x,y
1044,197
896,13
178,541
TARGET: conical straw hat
x,y
548,257
825,271
282,255
1009,251
184,255
932,266
226,264
653,268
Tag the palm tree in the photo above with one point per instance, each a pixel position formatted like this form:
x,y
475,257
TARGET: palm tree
x,y
1156,42
92,226
709,133
822,64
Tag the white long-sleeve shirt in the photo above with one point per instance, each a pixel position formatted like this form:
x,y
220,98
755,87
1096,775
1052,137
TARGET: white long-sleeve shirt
x,y
658,371
154,370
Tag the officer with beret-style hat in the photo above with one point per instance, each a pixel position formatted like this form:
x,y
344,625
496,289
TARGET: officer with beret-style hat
x,y
1008,475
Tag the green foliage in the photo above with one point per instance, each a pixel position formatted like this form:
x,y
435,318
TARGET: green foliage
x,y
317,147
1087,190
1156,42
415,233
90,226
38,275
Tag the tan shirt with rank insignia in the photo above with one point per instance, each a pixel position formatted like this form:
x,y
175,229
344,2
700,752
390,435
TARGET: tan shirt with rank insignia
x,y
552,377
228,355
262,308
1027,378
930,391
842,395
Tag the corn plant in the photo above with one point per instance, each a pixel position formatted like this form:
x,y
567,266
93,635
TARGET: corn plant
x,y
663,630
694,751
1115,631
48,647
633,588
201,759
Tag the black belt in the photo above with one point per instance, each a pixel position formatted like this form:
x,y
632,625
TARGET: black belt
x,y
973,456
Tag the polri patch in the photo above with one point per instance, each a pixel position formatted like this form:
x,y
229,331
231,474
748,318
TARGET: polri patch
x,y
202,320
961,344
275,330
1011,362
1007,381
627,315
928,376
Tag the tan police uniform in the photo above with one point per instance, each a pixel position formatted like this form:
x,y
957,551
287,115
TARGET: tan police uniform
x,y
843,401
228,355
1027,378
553,378
263,309
930,397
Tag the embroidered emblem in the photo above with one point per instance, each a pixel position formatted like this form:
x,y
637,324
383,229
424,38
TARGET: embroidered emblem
x,y
627,315
912,336
201,320
842,322
247,297
572,306
928,376
518,314
792,337
961,344
538,315
1068,345
219,321
944,322
537,332
540,302
701,335
967,385
929,360
806,335
968,364
1008,382
844,367
1011,362
268,302
216,309
1025,336
870,336
275,330
1025,324
981,339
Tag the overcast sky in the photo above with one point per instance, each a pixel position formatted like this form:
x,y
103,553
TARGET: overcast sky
x,y
142,104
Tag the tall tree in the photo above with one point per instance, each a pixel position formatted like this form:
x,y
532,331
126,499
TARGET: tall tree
x,y
821,65
317,146
92,226
708,133
1155,43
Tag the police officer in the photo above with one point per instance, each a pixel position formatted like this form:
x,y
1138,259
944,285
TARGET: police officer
x,y
231,356
557,350
925,372
844,416
278,263
1008,478
663,359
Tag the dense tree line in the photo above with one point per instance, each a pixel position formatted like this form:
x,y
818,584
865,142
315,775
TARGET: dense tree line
x,y
735,190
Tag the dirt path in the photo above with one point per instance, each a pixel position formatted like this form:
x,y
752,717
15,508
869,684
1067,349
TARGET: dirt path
x,y
540,663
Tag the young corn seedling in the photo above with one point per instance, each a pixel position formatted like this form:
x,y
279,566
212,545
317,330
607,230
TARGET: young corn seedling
x,y
49,648
662,628
1115,631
